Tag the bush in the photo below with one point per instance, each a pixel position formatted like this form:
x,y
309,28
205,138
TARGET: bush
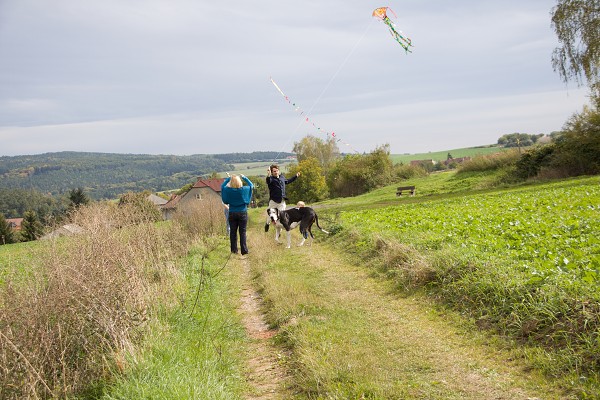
x,y
139,207
578,149
69,326
404,172
575,152
490,162
532,161
357,174
207,218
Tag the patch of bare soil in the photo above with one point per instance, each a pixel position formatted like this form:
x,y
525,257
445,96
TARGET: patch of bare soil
x,y
265,372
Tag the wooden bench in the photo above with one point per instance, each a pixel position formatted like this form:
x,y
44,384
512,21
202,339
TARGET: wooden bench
x,y
411,189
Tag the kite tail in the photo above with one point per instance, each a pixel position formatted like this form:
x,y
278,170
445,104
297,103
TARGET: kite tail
x,y
404,41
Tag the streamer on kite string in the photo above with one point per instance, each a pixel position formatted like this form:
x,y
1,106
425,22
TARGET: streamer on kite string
x,y
306,118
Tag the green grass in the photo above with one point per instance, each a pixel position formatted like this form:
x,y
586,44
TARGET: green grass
x,y
443,155
357,312
18,259
437,185
350,338
257,168
522,261
192,352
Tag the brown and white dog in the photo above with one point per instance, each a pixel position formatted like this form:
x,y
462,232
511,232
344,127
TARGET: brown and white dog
x,y
289,219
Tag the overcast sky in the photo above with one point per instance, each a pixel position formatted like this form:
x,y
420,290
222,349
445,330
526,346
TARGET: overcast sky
x,y
193,76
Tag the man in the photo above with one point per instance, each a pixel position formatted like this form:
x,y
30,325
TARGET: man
x,y
276,183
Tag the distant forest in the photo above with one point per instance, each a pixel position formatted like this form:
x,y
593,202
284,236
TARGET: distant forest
x,y
107,176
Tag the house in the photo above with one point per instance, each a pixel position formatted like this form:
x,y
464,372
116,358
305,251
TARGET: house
x,y
65,230
170,207
456,160
204,191
14,223
422,162
156,200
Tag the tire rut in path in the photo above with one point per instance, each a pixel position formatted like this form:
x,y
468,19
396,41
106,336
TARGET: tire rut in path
x,y
265,374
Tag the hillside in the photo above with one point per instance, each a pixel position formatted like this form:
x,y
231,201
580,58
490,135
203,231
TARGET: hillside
x,y
106,175
443,155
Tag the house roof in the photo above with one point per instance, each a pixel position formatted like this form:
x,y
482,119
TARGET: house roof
x,y
14,223
157,200
65,230
213,183
173,201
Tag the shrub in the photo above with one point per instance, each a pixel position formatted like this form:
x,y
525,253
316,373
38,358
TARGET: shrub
x,y
205,218
490,162
532,161
71,323
357,174
138,206
403,172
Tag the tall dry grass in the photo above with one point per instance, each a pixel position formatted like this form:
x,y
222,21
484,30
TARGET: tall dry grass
x,y
88,304
490,162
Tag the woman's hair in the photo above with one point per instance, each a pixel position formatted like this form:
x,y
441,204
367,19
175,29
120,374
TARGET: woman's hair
x,y
235,182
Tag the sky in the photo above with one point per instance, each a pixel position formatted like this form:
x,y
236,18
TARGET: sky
x,y
188,77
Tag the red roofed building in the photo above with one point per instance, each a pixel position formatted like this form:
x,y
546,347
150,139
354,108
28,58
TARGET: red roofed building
x,y
205,192
14,223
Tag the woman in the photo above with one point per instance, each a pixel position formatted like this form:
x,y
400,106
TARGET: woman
x,y
237,197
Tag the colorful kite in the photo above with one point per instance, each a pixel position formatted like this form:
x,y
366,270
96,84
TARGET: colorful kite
x,y
381,13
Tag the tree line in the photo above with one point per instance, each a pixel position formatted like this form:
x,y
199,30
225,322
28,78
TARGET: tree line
x,y
104,175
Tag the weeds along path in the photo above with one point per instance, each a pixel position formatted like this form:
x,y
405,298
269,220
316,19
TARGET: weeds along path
x,y
265,374
350,336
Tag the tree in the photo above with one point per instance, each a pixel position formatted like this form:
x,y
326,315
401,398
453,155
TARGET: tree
x,y
357,174
78,198
519,139
312,147
311,185
577,26
31,227
6,232
578,149
140,208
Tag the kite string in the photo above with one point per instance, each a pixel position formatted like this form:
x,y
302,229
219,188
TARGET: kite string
x,y
326,86
342,64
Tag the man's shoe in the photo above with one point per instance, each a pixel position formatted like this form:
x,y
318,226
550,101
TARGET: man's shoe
x,y
266,227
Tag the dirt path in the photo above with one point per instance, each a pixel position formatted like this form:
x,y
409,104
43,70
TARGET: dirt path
x,y
265,373
411,343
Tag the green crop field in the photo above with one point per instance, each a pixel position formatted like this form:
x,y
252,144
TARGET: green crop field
x,y
443,155
547,230
257,168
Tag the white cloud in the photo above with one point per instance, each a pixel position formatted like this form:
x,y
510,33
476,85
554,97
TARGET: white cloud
x,y
186,76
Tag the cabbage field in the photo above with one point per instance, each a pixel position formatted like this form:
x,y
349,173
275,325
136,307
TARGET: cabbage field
x,y
545,230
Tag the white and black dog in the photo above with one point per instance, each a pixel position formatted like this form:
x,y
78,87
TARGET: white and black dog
x,y
291,218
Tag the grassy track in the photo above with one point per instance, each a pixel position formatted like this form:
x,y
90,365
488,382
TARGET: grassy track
x,y
351,338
